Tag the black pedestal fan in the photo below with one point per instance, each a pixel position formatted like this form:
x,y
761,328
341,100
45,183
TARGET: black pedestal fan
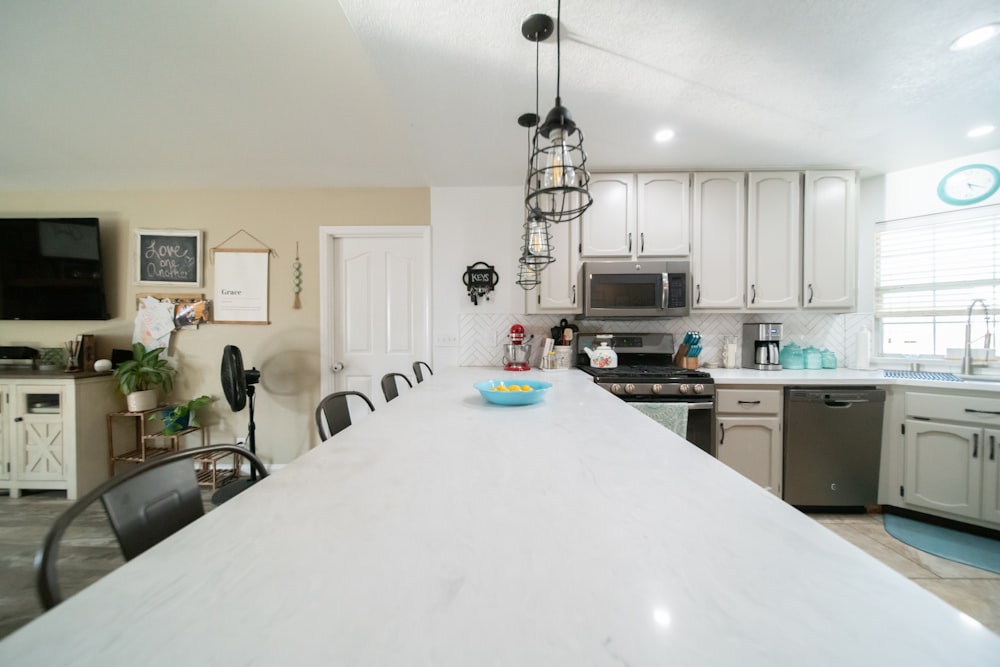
x,y
238,386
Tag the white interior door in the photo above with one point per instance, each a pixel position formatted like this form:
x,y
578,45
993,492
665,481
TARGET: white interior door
x,y
375,316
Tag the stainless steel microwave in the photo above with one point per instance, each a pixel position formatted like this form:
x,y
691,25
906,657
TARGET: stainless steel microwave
x,y
655,288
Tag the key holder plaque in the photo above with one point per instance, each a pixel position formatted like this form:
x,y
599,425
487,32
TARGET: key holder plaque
x,y
480,279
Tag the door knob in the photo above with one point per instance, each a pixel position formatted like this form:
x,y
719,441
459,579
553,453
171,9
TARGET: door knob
x,y
337,367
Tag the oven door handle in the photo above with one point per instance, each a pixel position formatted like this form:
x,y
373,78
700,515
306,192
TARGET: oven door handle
x,y
704,405
666,291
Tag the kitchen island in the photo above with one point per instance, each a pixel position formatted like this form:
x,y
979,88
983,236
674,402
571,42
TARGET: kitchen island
x,y
442,530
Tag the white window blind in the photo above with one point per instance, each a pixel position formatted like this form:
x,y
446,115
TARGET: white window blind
x,y
927,272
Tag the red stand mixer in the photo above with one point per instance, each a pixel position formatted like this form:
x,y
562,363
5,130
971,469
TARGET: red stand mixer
x,y
517,352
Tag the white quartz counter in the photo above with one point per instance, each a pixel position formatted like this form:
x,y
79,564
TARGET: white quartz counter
x,y
837,377
445,531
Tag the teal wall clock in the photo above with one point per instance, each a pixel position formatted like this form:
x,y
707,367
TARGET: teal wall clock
x,y
969,184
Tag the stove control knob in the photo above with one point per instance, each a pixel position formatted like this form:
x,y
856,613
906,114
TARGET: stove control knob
x,y
657,388
616,389
630,389
699,388
685,389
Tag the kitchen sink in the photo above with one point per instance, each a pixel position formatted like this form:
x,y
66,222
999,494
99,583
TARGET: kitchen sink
x,y
980,378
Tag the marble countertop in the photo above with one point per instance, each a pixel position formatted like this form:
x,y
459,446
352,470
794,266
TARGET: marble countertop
x,y
442,530
838,377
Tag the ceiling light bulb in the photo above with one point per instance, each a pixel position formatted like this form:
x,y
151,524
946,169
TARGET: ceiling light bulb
x,y
664,136
976,37
559,172
981,131
538,239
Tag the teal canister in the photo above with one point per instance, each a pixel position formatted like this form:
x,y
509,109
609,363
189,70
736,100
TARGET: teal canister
x,y
812,358
791,357
828,359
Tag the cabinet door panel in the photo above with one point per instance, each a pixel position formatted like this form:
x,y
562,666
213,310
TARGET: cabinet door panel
x,y
752,447
718,246
5,452
664,215
608,225
558,291
829,240
774,218
991,474
940,471
39,434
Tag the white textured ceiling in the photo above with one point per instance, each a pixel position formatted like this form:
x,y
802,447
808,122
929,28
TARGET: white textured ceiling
x,y
316,93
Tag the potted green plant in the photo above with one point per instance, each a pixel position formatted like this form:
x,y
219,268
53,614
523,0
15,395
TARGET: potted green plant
x,y
182,416
141,376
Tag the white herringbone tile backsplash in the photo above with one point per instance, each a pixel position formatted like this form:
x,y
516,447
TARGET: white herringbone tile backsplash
x,y
481,337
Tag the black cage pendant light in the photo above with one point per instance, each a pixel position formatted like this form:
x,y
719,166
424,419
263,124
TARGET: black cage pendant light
x,y
558,180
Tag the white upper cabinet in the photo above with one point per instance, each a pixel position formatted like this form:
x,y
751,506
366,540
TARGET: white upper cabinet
x,y
608,227
638,215
664,225
559,291
774,221
829,250
718,240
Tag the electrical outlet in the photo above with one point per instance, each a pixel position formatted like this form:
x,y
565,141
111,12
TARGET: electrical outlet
x,y
446,340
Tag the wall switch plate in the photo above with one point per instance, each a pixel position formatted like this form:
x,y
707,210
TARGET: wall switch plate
x,y
446,340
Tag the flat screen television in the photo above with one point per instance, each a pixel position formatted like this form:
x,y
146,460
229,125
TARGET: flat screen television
x,y
51,269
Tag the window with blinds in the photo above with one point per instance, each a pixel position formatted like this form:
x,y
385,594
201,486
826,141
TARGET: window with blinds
x,y
928,270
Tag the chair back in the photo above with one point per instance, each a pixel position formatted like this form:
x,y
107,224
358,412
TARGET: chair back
x,y
146,510
389,388
333,414
145,505
418,367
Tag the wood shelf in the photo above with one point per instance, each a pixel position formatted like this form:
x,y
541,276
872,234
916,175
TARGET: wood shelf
x,y
143,447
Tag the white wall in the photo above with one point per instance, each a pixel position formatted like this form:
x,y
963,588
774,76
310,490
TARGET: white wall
x,y
481,224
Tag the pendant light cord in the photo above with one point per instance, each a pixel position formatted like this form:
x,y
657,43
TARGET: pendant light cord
x,y
558,51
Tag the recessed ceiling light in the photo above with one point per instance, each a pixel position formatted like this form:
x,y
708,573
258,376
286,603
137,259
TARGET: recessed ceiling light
x,y
981,131
664,135
976,37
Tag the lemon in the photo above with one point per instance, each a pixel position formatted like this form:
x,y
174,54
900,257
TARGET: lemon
x,y
514,387
526,387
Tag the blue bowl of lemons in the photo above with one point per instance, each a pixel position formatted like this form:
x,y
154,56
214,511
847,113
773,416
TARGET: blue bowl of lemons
x,y
513,392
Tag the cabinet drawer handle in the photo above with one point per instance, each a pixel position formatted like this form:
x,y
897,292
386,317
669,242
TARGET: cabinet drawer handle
x,y
642,242
753,290
722,433
975,445
698,290
993,446
574,295
748,402
983,412
18,419
810,293
630,241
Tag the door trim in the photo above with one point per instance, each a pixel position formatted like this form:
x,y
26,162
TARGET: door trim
x,y
327,237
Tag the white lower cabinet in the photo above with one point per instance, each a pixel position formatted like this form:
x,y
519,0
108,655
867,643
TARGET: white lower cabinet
x,y
748,434
53,433
951,455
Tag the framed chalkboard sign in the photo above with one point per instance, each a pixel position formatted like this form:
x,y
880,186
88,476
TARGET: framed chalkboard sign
x,y
168,257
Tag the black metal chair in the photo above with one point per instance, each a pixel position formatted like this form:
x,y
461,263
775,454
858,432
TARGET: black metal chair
x,y
389,387
418,371
333,414
145,505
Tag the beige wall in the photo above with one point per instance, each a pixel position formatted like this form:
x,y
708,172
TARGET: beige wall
x,y
286,351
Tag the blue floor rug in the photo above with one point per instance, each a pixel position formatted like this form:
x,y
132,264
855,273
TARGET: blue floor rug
x,y
974,550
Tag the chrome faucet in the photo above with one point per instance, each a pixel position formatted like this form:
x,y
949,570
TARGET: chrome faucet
x,y
967,355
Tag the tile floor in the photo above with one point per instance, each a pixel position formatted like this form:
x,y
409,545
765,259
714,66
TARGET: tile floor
x,y
971,590
90,551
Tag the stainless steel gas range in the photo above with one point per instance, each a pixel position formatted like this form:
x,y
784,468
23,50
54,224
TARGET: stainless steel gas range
x,y
646,373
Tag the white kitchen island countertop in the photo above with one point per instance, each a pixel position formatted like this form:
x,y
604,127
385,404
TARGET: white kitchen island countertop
x,y
442,530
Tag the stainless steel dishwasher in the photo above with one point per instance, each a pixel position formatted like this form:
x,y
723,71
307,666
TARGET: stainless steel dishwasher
x,y
832,446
